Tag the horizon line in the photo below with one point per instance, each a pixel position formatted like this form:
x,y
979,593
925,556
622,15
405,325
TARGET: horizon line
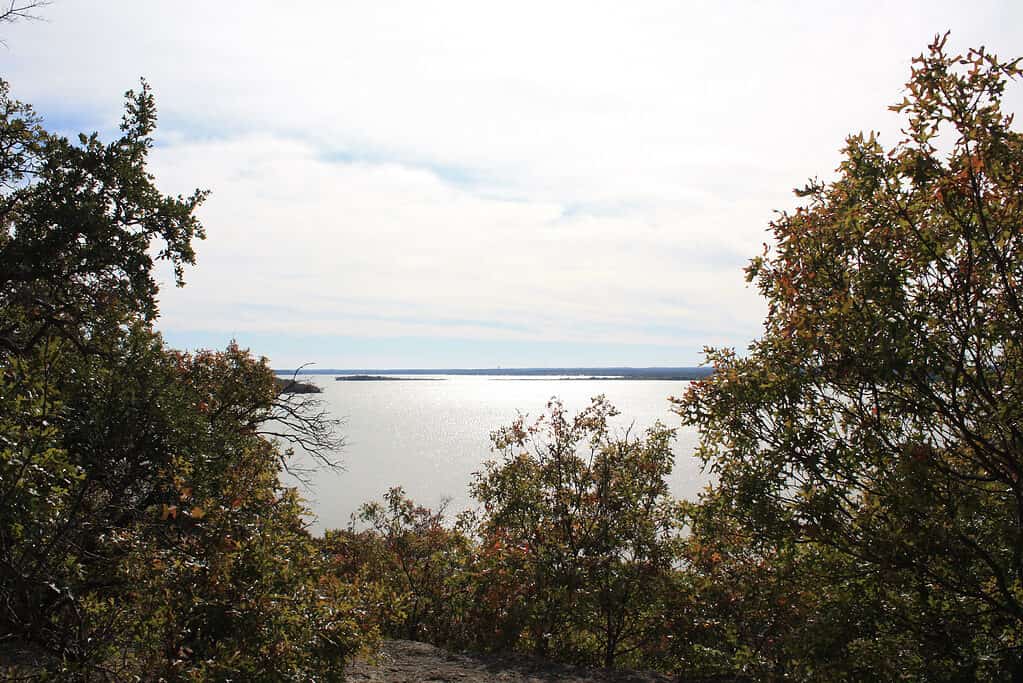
x,y
498,370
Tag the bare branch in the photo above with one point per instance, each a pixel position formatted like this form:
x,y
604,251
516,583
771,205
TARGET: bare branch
x,y
22,10
300,421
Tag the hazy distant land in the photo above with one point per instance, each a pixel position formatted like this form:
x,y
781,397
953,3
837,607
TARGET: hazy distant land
x,y
385,378
674,374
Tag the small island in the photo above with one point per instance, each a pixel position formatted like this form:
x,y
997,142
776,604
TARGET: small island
x,y
286,385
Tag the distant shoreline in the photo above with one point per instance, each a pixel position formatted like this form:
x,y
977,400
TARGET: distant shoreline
x,y
617,373
385,378
606,378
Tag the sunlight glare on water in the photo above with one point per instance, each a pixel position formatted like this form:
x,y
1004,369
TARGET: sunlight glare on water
x,y
430,436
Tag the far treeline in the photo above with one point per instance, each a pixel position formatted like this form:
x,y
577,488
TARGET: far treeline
x,y
866,516
613,373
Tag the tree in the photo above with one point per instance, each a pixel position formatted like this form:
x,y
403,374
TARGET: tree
x,y
144,530
578,533
880,415
78,224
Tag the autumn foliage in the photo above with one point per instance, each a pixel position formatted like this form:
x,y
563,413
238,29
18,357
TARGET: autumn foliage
x,y
144,531
569,555
872,434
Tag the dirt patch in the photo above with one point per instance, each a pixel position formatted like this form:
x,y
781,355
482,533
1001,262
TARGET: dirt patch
x,y
405,661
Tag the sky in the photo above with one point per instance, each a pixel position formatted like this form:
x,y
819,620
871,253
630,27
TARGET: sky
x,y
482,184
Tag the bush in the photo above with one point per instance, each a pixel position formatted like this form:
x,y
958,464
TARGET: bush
x,y
578,535
416,564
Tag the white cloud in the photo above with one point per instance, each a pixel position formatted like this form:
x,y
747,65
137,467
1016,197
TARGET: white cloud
x,y
576,170
381,249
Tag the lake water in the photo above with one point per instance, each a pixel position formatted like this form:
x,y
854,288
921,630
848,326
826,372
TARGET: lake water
x,y
430,436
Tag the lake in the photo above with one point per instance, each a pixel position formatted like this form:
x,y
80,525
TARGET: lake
x,y
430,436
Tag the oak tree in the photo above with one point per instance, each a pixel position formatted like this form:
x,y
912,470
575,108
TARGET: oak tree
x,y
880,415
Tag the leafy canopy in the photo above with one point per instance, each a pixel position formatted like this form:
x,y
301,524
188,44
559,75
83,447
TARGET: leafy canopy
x,y
880,415
144,530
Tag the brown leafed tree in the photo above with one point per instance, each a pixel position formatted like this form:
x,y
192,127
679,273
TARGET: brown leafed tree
x,y
880,415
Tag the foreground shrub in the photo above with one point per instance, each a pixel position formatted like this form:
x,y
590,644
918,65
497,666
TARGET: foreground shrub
x,y
412,562
570,555
578,534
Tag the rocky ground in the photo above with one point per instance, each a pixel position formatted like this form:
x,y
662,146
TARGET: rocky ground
x,y
405,661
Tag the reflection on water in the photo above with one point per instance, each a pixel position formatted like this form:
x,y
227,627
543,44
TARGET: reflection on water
x,y
429,437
